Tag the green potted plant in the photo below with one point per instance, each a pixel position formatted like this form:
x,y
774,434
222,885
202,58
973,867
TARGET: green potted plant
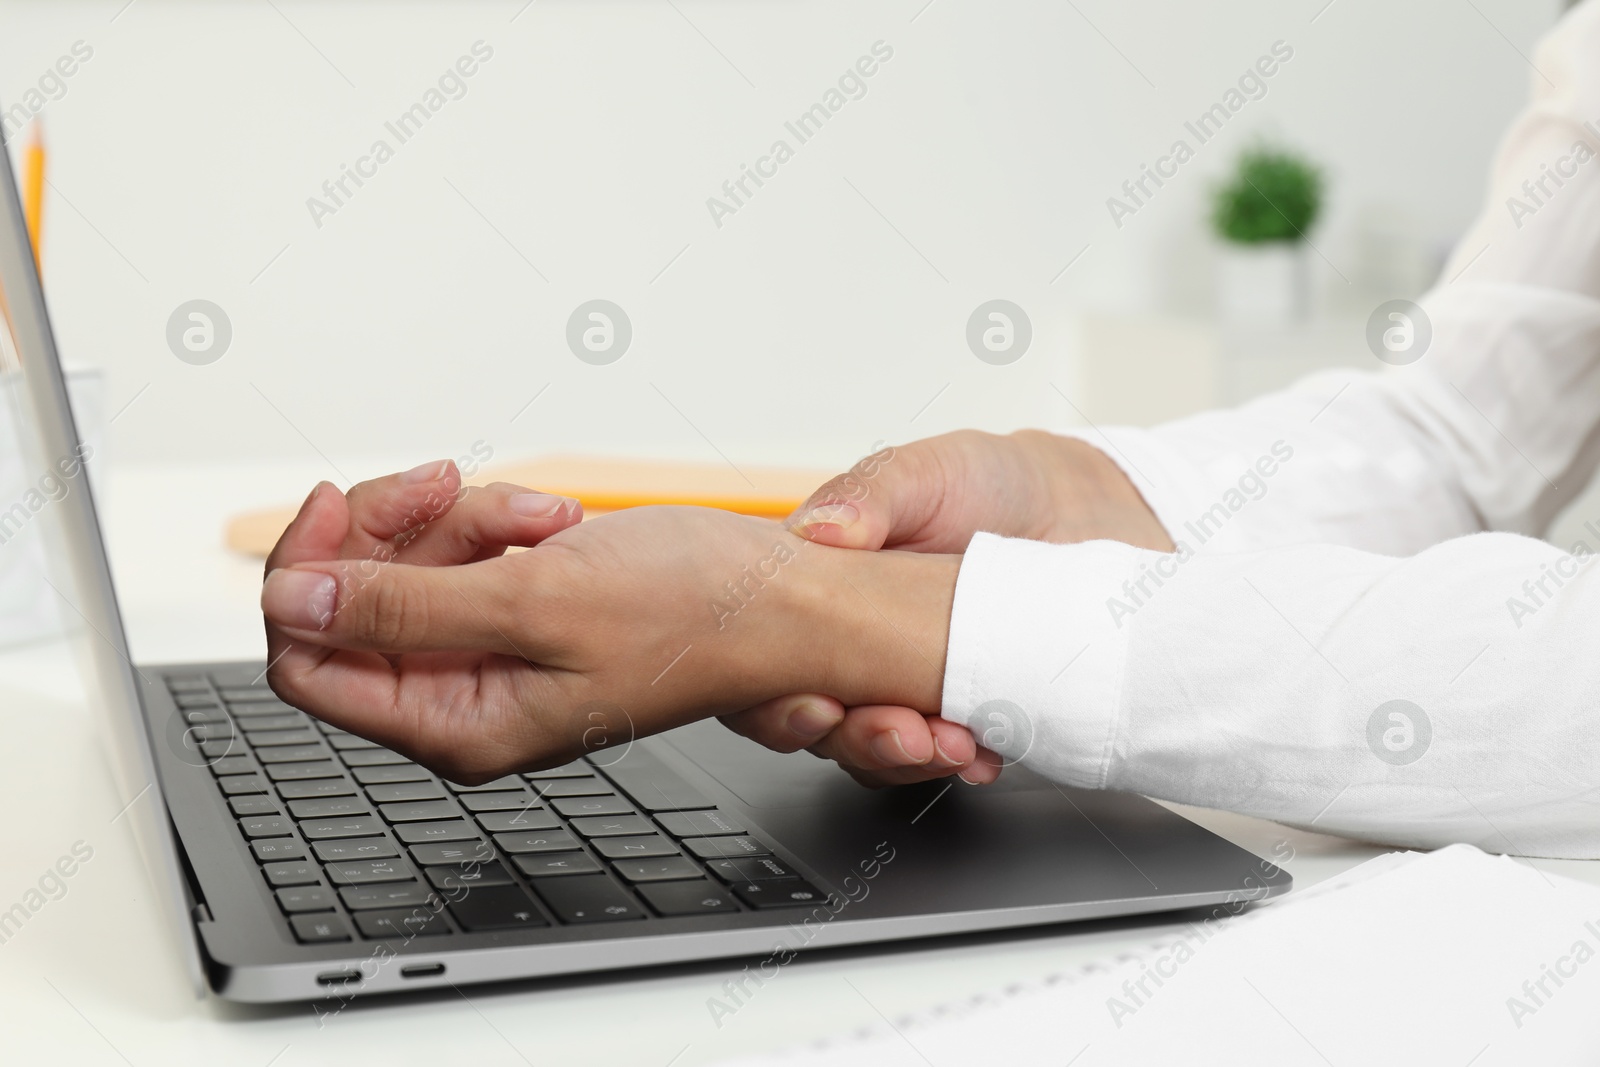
x,y
1262,215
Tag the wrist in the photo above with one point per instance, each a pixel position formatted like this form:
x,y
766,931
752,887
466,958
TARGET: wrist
x,y
878,624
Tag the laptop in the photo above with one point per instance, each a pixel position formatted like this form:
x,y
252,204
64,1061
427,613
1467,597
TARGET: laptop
x,y
299,862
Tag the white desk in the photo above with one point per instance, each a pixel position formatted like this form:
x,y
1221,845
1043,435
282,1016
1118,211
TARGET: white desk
x,y
93,977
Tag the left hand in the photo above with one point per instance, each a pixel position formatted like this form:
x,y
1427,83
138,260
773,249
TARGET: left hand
x,y
498,663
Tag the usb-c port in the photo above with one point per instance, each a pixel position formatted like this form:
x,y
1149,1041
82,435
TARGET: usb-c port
x,y
422,970
338,977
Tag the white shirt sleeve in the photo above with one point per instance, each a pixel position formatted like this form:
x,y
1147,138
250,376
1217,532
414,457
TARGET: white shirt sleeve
x,y
1327,647
1265,683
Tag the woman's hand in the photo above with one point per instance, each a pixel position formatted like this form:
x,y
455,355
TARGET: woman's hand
x,y
932,496
425,638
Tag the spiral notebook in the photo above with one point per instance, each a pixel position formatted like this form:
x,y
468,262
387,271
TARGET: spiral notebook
x,y
1450,957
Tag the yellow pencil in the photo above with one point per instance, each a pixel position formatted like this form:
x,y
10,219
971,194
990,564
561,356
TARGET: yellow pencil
x,y
33,187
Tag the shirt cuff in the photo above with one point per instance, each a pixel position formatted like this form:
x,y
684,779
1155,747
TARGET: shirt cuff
x,y
1038,646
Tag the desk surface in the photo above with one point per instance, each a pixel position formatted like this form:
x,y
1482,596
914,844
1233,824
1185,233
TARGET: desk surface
x,y
94,978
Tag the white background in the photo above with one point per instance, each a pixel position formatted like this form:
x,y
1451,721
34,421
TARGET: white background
x,y
812,323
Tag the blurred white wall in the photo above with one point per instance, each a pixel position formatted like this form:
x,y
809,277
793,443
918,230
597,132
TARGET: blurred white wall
x,y
822,317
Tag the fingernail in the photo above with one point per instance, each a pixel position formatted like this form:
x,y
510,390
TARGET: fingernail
x,y
888,749
301,599
843,516
944,757
809,722
538,505
427,472
967,780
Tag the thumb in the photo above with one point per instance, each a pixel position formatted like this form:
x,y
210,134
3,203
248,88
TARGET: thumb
x,y
877,503
362,605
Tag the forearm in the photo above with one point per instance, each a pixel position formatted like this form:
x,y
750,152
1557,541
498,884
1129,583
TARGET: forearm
x,y
1252,682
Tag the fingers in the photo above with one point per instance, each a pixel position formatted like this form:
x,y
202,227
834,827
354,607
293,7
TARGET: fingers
x,y
384,508
884,745
788,723
866,506
425,517
362,605
877,745
485,521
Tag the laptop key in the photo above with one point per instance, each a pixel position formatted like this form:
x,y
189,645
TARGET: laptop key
x,y
316,929
750,869
291,722
194,700
557,864
455,877
580,806
280,738
247,713
503,821
416,833
496,908
188,683
324,829
574,787
196,716
290,753
437,853
233,765
291,872
510,781
266,826
546,841
619,826
247,677
346,742
210,731
306,898
404,923
371,757
576,769
365,872
419,811
588,899
290,772
317,787
400,772
495,801
355,848
666,869
688,898
273,849
788,893
699,823
235,784
247,694
721,848
328,807
635,848
391,895
403,791
257,805
217,749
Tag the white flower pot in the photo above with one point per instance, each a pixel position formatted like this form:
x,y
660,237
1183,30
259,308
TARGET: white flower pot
x,y
1263,285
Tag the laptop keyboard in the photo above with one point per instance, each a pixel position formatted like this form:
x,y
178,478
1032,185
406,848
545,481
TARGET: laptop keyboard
x,y
357,842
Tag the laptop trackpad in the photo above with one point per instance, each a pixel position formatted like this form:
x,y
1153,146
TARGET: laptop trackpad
x,y
762,778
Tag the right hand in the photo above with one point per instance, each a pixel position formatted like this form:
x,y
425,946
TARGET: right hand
x,y
932,496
